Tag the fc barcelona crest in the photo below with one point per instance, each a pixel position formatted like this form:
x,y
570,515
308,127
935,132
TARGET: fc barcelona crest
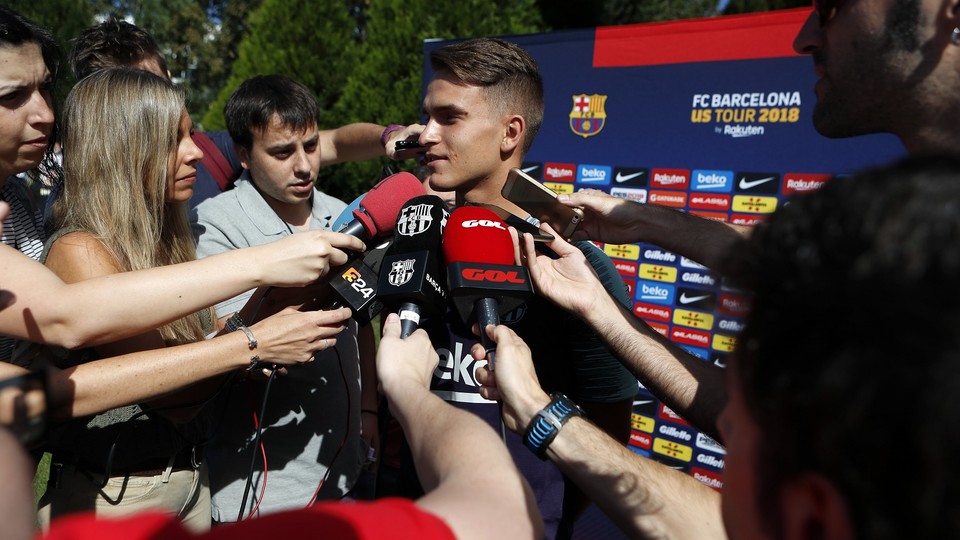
x,y
400,272
588,115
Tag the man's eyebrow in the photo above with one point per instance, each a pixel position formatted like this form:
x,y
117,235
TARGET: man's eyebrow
x,y
445,108
281,147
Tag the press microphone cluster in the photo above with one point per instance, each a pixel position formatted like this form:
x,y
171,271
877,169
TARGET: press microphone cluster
x,y
374,216
484,282
411,276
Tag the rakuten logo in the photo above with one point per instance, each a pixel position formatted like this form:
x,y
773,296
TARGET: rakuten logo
x,y
560,172
707,478
670,178
803,183
732,304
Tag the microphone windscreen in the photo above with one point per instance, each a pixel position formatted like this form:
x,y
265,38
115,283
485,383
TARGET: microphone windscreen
x,y
346,216
381,205
476,235
420,224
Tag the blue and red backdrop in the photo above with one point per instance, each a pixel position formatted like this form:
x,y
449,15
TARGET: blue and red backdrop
x,y
710,116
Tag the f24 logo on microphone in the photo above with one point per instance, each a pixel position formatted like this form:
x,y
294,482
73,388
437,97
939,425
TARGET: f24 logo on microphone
x,y
357,283
496,276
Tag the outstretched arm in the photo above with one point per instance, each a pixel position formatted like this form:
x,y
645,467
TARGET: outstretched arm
x,y
108,308
644,498
355,142
621,221
688,385
485,498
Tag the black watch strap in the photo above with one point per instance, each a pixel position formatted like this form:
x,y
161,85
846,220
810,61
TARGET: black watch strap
x,y
545,426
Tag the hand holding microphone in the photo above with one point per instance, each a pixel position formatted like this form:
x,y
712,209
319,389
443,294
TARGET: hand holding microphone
x,y
484,281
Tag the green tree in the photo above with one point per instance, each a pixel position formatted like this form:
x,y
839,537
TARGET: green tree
x,y
566,14
308,41
385,86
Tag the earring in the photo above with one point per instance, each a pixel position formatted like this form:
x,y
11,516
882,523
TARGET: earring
x,y
955,36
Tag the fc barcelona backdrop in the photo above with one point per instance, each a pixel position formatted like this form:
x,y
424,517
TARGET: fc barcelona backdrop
x,y
709,116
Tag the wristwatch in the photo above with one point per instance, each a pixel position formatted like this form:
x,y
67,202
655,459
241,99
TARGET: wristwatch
x,y
545,426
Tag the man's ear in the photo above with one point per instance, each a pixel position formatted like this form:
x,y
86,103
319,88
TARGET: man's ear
x,y
814,509
516,129
243,155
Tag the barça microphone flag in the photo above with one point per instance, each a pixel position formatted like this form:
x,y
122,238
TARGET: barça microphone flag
x,y
709,116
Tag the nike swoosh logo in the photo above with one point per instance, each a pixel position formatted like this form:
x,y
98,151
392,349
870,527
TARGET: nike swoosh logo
x,y
684,299
642,401
627,177
528,170
747,184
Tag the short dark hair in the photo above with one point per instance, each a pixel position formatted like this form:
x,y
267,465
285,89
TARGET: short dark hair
x,y
113,43
505,69
257,99
17,30
853,337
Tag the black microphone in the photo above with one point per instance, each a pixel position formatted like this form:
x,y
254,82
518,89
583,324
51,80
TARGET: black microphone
x,y
411,276
483,279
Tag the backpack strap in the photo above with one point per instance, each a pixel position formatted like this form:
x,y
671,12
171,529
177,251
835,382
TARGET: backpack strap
x,y
214,161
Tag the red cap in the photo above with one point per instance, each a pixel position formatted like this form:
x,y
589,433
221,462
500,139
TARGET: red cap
x,y
381,205
476,235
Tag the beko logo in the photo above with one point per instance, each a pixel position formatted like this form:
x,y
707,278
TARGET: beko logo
x,y
593,174
712,180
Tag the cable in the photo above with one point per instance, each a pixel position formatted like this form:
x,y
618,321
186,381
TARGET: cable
x,y
258,441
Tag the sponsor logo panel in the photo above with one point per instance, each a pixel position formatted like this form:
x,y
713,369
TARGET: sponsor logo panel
x,y
626,268
659,255
666,413
657,272
642,423
711,461
737,305
652,312
754,204
697,299
640,439
709,478
631,286
658,293
699,352
670,178
712,216
673,199
710,201
672,449
698,278
560,188
559,172
688,336
660,328
713,181
765,183
622,251
630,176
693,319
533,169
747,220
593,174
705,442
724,343
730,325
632,194
803,182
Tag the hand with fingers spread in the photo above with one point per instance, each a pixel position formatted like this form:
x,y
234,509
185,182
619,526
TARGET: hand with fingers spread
x,y
569,281
515,380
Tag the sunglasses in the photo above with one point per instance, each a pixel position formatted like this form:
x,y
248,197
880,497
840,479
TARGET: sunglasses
x,y
826,9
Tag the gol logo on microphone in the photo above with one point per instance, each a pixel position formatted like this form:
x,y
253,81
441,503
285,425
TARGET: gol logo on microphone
x,y
495,276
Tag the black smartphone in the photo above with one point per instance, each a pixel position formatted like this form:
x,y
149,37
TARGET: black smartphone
x,y
408,148
541,202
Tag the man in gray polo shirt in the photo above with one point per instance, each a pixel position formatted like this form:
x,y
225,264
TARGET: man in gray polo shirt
x,y
311,444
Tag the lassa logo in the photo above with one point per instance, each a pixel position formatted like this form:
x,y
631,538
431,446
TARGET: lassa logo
x,y
471,223
495,276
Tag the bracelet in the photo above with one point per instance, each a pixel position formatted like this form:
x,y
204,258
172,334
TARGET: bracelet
x,y
545,426
387,131
234,323
370,411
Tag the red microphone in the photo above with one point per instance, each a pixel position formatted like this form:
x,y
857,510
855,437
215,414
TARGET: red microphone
x,y
484,281
379,208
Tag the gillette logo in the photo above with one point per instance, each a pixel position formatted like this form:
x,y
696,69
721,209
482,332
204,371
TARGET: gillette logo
x,y
593,174
655,292
719,181
659,255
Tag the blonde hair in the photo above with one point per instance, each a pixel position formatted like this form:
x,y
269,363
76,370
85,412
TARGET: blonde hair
x,y
120,128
